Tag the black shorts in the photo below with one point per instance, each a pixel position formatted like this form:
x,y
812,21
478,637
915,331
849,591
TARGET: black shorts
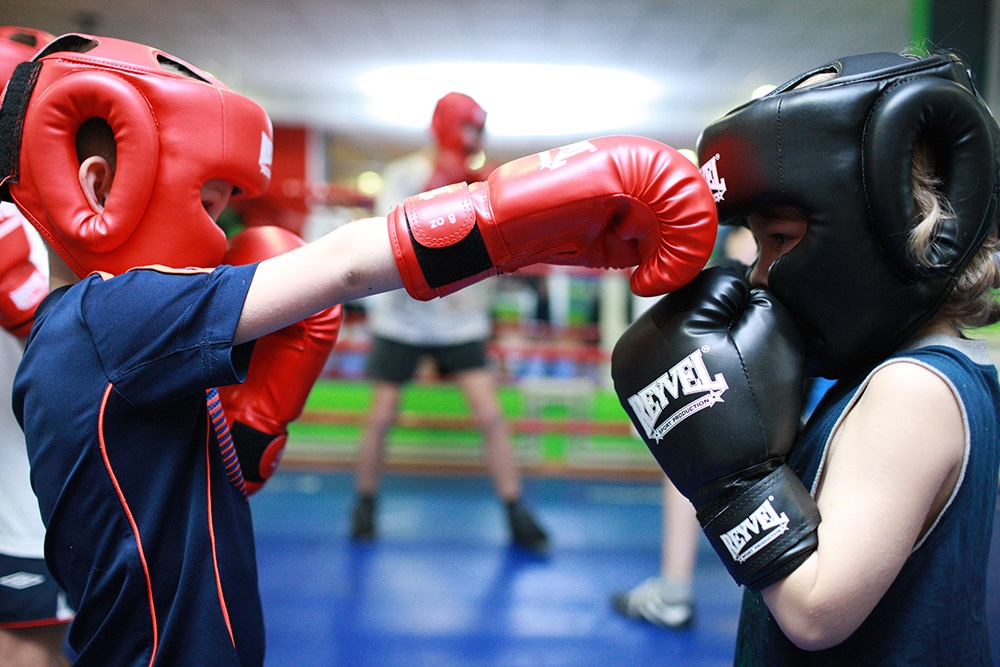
x,y
396,362
29,597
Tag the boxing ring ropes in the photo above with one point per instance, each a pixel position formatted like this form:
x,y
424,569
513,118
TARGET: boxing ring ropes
x,y
560,407
546,390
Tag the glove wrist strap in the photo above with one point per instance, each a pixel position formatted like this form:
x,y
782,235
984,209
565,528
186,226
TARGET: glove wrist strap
x,y
767,531
440,231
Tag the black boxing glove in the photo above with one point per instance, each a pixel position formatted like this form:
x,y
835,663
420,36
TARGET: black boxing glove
x,y
712,378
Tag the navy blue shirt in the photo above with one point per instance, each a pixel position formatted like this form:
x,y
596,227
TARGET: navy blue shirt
x,y
934,613
151,542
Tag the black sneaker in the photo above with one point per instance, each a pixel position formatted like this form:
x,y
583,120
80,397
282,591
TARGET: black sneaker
x,y
524,530
363,519
648,602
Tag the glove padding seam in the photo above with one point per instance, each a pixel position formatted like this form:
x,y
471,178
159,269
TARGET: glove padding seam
x,y
761,430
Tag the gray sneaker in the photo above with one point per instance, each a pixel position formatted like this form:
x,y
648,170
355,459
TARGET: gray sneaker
x,y
652,601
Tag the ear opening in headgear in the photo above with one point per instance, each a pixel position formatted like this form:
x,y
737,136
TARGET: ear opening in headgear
x,y
71,42
52,132
951,119
95,137
932,209
177,67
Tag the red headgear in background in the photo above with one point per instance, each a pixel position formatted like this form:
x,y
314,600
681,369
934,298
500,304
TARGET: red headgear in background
x,y
175,127
452,112
457,126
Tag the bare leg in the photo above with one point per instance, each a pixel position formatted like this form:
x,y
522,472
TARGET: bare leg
x,y
381,417
481,393
680,537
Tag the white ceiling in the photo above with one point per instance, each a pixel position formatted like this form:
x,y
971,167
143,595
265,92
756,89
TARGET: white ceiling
x,y
300,58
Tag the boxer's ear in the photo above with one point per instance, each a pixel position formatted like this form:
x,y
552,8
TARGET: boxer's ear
x,y
95,180
52,133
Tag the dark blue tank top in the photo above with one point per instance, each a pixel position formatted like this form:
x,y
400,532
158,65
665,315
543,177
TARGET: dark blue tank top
x,y
935,611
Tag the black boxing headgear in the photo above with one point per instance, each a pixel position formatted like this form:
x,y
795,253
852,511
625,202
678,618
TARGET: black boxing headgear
x,y
842,151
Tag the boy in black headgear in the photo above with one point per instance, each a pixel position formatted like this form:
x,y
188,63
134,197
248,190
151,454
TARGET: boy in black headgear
x,y
871,185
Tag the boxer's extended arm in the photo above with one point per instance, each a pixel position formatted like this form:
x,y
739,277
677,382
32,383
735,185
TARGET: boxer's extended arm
x,y
609,202
350,262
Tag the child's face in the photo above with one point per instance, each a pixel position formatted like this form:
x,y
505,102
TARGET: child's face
x,y
472,137
215,196
777,231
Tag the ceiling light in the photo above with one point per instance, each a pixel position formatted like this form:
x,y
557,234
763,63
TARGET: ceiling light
x,y
521,99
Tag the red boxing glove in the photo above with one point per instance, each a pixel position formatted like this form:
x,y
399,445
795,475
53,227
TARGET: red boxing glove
x,y
22,285
610,202
283,369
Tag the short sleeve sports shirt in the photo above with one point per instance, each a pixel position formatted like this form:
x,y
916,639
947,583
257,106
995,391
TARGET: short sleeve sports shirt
x,y
152,543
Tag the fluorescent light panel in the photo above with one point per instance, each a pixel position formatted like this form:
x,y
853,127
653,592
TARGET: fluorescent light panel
x,y
521,99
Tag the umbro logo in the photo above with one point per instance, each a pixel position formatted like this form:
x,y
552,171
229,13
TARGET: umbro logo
x,y
21,580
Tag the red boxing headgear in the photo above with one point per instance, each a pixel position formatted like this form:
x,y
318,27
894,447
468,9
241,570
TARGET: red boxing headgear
x,y
17,45
451,112
175,128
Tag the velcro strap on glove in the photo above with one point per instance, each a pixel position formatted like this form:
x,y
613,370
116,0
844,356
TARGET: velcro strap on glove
x,y
767,531
440,248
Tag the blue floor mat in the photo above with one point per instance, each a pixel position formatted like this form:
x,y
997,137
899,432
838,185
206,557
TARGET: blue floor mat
x,y
441,586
